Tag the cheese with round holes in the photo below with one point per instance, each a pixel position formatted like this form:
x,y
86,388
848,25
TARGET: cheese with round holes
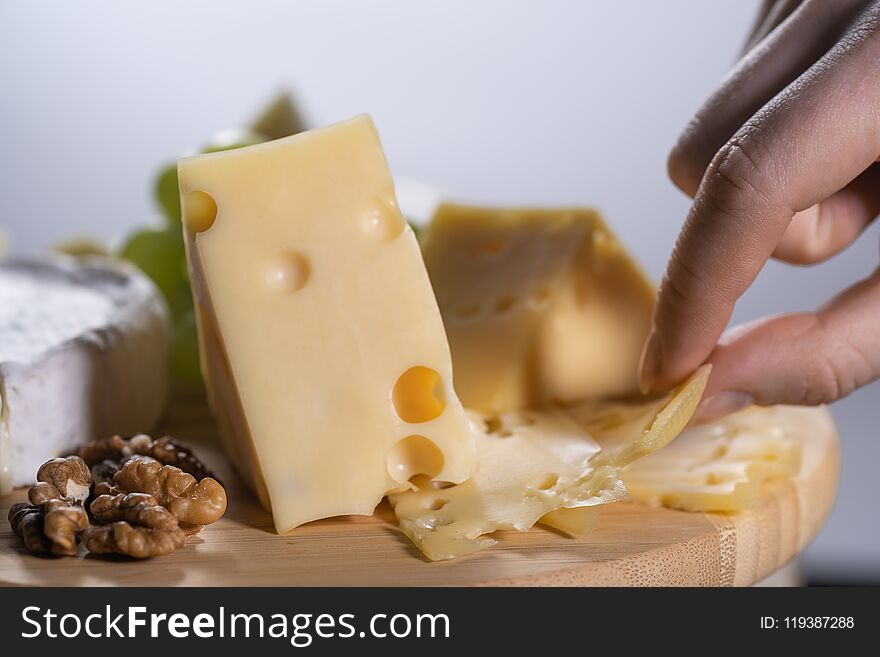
x,y
721,466
540,305
83,355
325,354
530,465
543,465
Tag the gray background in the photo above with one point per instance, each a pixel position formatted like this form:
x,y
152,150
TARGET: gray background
x,y
503,102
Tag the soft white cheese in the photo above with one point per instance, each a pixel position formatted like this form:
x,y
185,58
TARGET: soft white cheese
x,y
83,355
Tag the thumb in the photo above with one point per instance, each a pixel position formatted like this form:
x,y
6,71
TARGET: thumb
x,y
804,359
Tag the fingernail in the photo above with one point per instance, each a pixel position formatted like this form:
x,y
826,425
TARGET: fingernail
x,y
724,403
649,364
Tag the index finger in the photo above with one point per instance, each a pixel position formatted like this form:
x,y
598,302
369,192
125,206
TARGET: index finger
x,y
810,141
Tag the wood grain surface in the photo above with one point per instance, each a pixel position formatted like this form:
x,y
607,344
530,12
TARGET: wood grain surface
x,y
632,545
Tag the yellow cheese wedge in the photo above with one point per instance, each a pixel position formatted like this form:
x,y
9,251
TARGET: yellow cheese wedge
x,y
540,305
720,467
328,366
537,465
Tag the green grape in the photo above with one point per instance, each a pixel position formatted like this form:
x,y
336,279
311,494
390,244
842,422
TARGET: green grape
x,y
416,229
158,252
81,247
167,192
185,351
180,302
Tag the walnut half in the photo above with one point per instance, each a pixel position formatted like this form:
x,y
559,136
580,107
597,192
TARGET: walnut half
x,y
139,542
52,527
133,524
166,450
137,508
70,476
192,502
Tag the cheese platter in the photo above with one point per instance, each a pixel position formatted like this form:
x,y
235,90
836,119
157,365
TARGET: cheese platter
x,y
631,545
315,433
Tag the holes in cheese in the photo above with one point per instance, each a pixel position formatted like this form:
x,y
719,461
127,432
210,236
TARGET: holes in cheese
x,y
490,247
721,467
418,395
506,492
287,272
469,311
414,455
504,304
547,481
381,219
551,460
199,211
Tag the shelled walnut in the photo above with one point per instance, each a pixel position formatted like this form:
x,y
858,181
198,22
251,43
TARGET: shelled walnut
x,y
166,450
133,524
137,508
192,502
69,476
53,527
141,503
139,542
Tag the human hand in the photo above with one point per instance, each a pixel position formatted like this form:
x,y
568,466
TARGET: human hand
x,y
781,162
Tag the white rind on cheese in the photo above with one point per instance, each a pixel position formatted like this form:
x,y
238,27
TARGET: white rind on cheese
x,y
83,355
321,338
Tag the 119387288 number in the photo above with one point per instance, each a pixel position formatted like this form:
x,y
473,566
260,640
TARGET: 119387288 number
x,y
818,622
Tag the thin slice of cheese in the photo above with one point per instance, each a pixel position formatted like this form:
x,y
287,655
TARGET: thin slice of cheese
x,y
578,521
329,369
540,305
535,465
627,431
530,464
721,467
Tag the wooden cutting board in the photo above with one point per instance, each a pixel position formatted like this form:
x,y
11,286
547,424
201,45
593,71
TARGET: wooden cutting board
x,y
632,545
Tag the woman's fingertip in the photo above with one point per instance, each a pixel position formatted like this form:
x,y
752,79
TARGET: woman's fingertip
x,y
649,364
721,404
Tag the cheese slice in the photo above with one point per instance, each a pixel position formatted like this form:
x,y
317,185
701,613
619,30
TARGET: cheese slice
x,y
578,521
329,369
627,431
540,305
83,355
530,464
537,465
721,466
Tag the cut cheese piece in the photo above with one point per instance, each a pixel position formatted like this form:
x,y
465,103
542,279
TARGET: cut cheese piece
x,y
540,305
83,355
530,464
720,467
537,462
578,521
627,431
328,366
